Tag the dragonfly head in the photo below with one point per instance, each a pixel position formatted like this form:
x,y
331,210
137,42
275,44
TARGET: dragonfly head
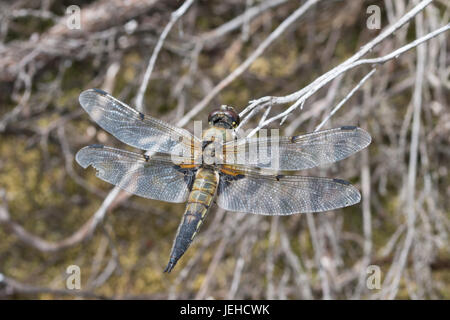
x,y
224,117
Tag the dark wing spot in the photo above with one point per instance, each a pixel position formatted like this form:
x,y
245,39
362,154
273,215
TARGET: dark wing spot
x,y
146,157
141,115
278,177
351,128
342,181
101,91
96,146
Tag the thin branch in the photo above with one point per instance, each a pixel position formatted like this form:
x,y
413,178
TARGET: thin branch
x,y
313,87
305,93
235,23
318,254
367,221
244,66
412,169
14,286
363,51
148,72
343,101
46,246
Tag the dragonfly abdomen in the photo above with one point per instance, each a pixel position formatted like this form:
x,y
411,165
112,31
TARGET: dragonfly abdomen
x,y
199,201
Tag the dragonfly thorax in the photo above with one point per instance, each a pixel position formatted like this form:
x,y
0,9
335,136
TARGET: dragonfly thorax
x,y
213,140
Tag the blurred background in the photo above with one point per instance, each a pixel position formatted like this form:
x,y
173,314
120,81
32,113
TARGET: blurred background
x,y
49,205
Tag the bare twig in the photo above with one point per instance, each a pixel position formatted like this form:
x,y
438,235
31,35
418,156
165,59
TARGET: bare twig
x,y
238,71
411,185
303,94
151,63
312,88
235,23
343,101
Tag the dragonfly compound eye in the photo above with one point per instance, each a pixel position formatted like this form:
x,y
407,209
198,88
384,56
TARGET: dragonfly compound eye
x,y
225,117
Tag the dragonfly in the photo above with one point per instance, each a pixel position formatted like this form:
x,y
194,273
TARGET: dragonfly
x,y
272,188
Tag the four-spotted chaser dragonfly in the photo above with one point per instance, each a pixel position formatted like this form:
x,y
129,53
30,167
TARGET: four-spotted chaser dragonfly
x,y
259,187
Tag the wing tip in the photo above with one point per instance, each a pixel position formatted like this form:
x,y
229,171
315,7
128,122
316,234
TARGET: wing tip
x,y
357,195
86,93
366,137
352,192
79,157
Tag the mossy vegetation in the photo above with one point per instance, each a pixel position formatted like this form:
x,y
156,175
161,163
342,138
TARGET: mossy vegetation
x,y
48,200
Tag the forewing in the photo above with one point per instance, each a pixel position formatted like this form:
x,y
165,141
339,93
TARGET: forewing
x,y
134,128
299,152
153,177
248,191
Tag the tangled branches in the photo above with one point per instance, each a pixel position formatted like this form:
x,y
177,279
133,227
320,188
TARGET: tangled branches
x,y
314,64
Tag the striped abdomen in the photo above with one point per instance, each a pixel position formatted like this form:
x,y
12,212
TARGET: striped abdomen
x,y
199,201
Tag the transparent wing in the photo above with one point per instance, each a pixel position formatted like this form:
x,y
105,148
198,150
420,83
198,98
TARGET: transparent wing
x,y
153,177
247,190
299,152
134,128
